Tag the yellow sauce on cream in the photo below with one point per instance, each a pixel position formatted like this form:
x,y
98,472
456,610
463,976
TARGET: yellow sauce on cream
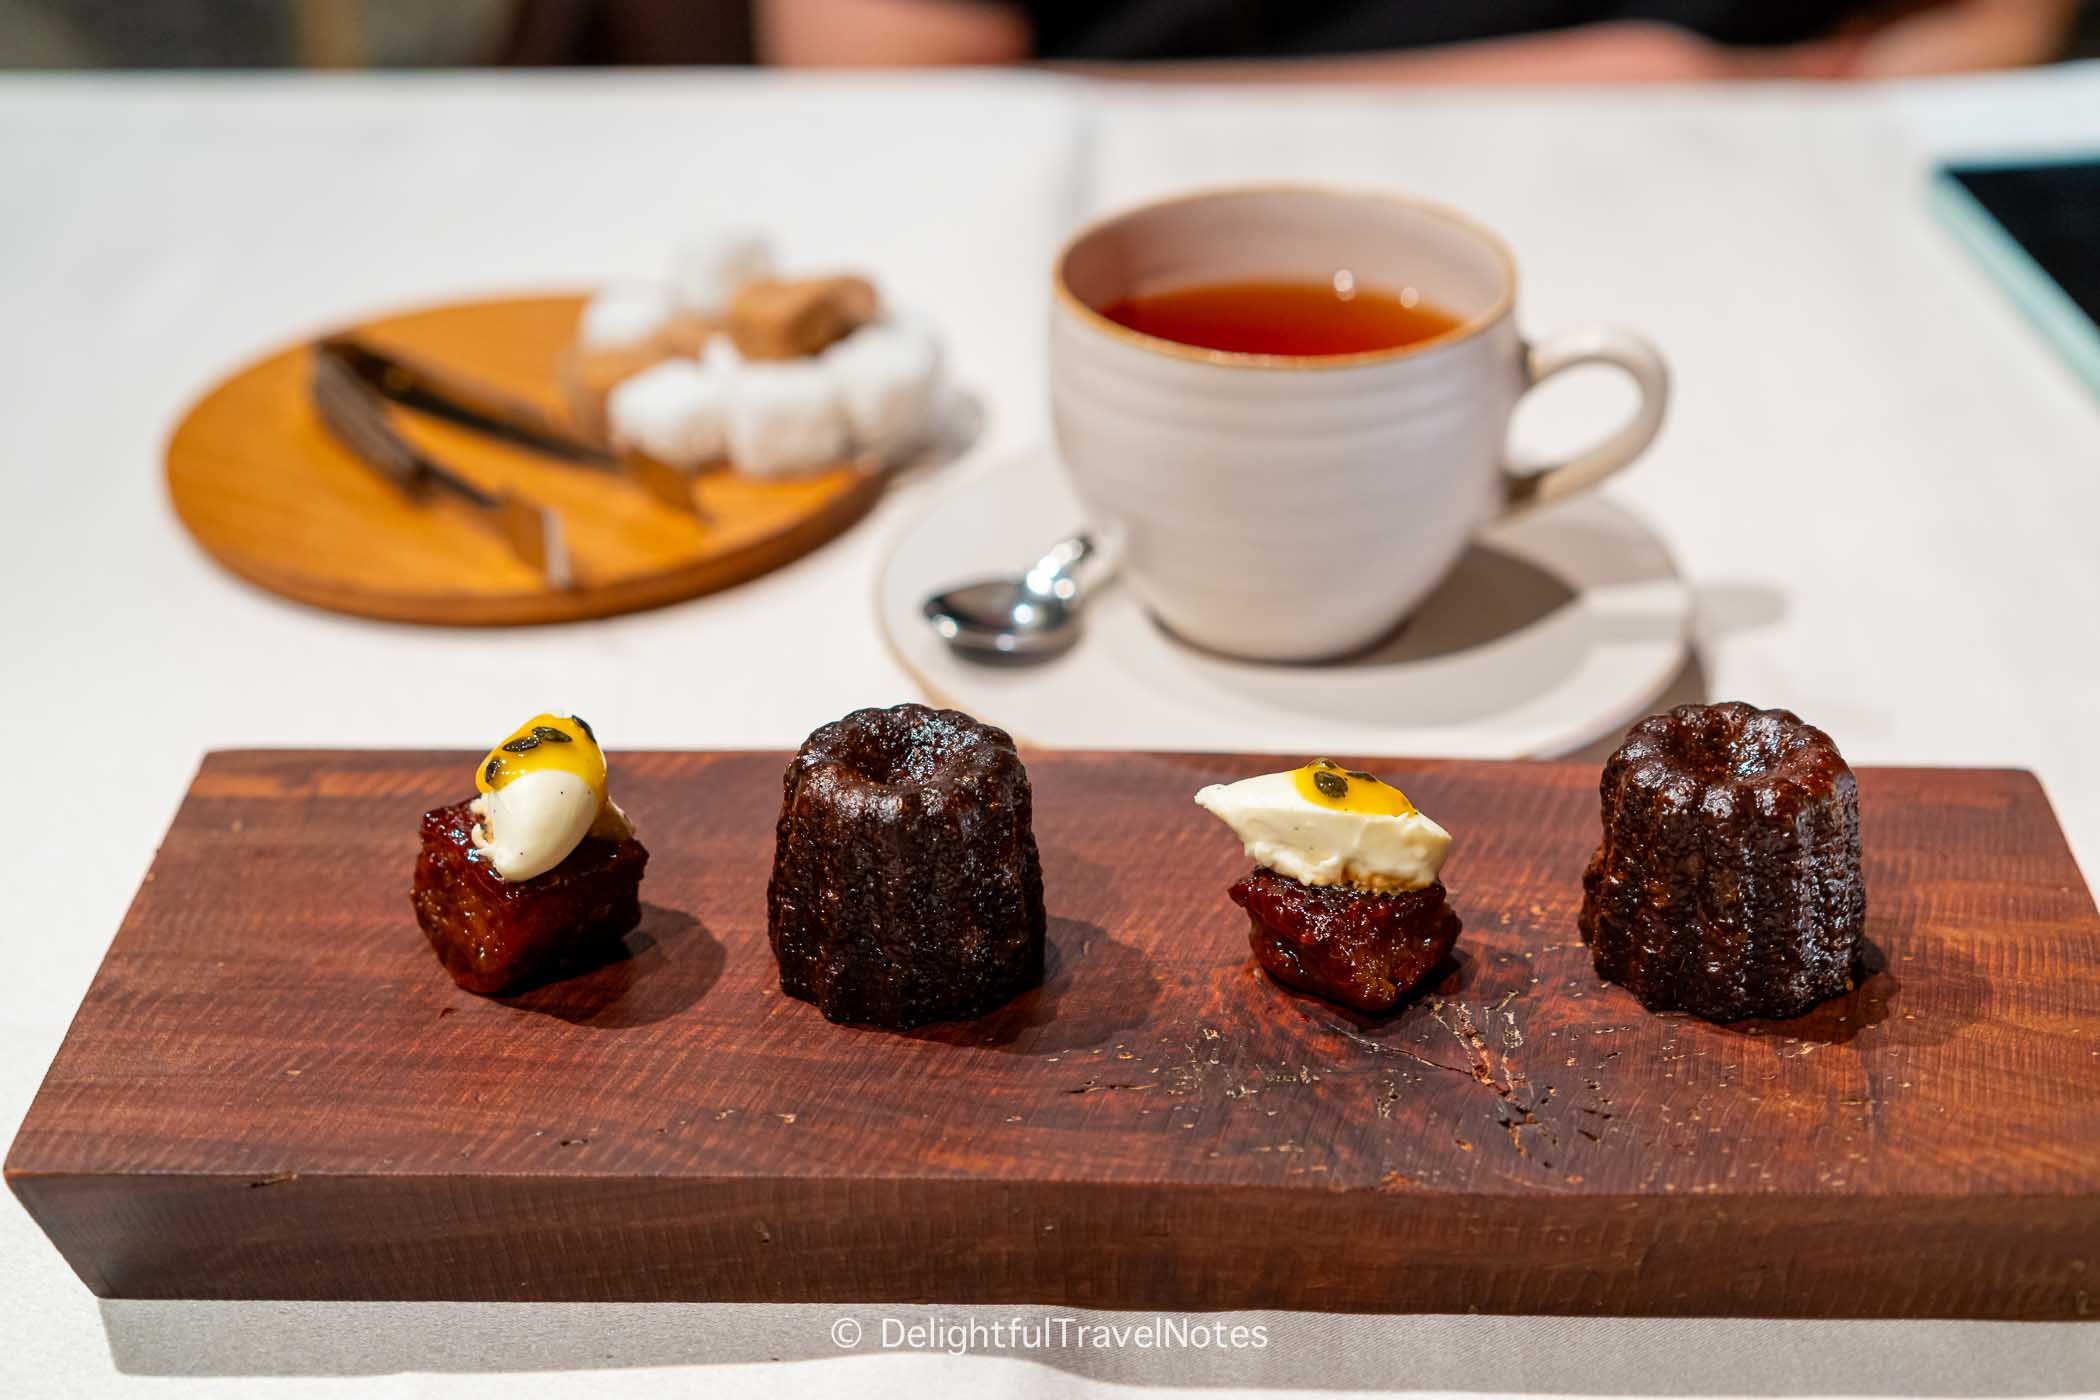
x,y
1325,783
542,792
562,743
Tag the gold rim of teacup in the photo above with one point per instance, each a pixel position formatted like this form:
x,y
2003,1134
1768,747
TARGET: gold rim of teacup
x,y
1245,359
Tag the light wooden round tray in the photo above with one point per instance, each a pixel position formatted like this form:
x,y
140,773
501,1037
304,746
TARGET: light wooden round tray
x,y
271,495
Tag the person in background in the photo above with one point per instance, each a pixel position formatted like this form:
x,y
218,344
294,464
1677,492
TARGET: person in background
x,y
1426,41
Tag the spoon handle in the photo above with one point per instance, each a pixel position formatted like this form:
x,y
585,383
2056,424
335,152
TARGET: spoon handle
x,y
1062,572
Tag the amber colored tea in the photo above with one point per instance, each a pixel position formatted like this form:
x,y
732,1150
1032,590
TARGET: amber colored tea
x,y
1283,318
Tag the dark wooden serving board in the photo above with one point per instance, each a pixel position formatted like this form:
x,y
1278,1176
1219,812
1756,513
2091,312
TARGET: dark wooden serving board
x,y
273,1091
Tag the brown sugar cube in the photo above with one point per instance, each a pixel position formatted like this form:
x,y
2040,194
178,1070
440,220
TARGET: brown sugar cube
x,y
685,335
787,320
855,298
588,377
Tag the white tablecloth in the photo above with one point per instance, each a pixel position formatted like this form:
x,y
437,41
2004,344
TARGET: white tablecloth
x,y
1883,486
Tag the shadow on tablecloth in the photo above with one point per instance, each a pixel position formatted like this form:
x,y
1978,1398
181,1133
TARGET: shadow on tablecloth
x,y
1492,1355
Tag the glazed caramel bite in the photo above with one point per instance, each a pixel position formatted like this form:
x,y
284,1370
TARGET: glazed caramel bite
x,y
1363,950
1344,900
539,869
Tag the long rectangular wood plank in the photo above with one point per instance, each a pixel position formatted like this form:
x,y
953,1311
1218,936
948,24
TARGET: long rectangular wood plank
x,y
273,1090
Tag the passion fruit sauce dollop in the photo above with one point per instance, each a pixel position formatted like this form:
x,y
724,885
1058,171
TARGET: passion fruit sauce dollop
x,y
543,790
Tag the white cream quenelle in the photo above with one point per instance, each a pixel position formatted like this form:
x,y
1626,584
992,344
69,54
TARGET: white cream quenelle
x,y
1327,825
542,791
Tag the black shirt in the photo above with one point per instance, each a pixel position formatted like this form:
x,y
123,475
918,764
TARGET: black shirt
x,y
1182,29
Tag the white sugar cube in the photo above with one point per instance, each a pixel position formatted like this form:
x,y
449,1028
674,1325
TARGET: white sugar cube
x,y
888,376
708,271
720,353
785,416
676,412
625,314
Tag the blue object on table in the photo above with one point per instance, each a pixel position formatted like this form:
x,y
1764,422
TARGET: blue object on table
x,y
2035,227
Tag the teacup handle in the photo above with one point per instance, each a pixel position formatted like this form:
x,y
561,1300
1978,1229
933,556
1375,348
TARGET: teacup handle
x,y
1593,347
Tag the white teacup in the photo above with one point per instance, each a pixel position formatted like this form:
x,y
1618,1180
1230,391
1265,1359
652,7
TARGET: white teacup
x,y
1293,508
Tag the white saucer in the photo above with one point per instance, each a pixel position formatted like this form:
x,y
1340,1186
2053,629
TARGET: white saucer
x,y
1552,631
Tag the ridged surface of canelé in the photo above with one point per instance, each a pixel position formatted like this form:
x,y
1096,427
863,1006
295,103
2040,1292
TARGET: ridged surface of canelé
x,y
1728,880
906,885
1353,946
496,935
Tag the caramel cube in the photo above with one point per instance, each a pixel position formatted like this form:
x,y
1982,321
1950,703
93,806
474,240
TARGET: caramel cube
x,y
495,935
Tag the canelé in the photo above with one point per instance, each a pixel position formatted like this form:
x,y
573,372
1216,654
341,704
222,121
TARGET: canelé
x,y
1728,881
906,884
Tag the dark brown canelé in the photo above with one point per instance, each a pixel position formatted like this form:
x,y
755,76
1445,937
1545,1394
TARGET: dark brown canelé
x,y
1357,947
1728,881
906,885
496,935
